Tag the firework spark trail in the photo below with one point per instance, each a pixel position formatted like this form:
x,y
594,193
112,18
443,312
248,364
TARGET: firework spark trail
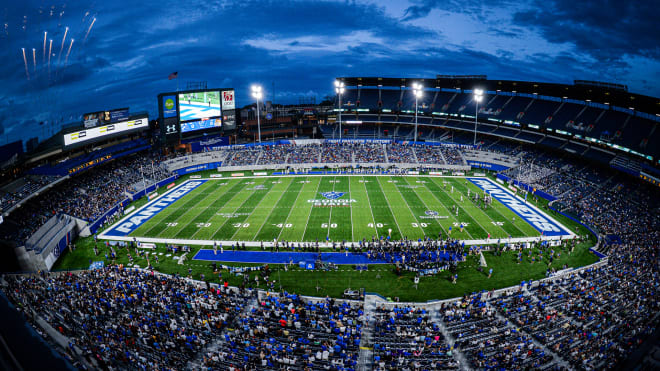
x,y
66,30
68,52
43,59
50,51
89,29
34,60
27,73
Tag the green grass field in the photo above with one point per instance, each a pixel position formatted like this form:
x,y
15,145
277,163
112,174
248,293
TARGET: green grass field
x,y
263,209
386,202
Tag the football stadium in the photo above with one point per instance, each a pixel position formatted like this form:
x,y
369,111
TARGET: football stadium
x,y
403,222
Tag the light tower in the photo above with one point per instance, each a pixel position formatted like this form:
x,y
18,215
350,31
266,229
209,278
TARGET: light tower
x,y
478,97
418,90
257,94
339,89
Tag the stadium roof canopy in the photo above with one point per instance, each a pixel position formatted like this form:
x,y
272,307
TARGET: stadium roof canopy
x,y
612,94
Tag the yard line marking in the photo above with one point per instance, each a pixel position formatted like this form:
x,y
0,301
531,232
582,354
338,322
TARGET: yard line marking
x,y
373,219
255,208
310,211
227,219
204,209
290,210
271,210
451,215
425,206
458,205
390,207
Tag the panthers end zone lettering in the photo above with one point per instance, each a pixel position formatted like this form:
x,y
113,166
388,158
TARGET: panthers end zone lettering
x,y
134,221
537,219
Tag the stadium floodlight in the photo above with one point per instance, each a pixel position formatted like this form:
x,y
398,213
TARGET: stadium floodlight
x,y
339,89
418,90
478,97
257,94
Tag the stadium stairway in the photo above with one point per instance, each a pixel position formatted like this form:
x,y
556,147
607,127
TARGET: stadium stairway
x,y
198,362
463,364
366,358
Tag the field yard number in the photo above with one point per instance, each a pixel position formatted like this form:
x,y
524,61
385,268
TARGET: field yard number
x,y
334,181
457,224
331,225
203,225
364,181
378,225
249,183
393,181
303,182
281,225
416,225
421,181
172,224
277,182
241,225
498,223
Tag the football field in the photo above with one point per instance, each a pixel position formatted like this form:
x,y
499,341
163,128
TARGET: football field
x,y
329,207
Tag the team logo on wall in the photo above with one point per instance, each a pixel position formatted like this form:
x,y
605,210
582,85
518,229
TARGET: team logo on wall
x,y
332,195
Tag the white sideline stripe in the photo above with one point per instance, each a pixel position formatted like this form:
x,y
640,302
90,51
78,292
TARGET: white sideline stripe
x,y
321,244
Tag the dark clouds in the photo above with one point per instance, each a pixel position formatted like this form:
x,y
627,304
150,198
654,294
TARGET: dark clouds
x,y
301,46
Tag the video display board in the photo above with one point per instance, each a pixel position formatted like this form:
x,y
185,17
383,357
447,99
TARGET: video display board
x,y
200,105
99,132
93,119
200,125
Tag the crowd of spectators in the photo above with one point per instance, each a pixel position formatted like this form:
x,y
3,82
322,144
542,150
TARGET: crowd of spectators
x,y
86,196
128,319
337,153
243,156
28,185
369,152
452,155
288,332
401,154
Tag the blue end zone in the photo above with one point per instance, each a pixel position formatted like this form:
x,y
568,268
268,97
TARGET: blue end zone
x,y
130,224
266,257
526,212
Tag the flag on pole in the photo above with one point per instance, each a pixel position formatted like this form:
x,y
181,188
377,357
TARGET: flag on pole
x,y
173,75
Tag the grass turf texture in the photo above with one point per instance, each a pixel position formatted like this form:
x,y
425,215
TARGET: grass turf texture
x,y
262,209
380,278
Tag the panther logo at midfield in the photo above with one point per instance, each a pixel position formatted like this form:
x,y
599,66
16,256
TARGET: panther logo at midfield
x,y
332,195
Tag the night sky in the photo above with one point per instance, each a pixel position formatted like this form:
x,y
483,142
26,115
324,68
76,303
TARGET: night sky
x,y
123,51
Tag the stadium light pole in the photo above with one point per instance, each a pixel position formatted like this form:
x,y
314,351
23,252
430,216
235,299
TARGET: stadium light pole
x,y
418,91
257,94
339,89
478,97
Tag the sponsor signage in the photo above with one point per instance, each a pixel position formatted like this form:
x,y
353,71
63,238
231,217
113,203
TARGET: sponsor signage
x,y
132,222
436,173
169,106
237,174
171,185
129,210
146,245
101,131
216,175
413,172
260,173
228,102
152,195
530,214
195,177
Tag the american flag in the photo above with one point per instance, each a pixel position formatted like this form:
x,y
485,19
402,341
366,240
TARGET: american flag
x,y
173,75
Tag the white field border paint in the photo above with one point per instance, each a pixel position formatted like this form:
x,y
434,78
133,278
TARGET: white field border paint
x,y
323,244
148,204
528,205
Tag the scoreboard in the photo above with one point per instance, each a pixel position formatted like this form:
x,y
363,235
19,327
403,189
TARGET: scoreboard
x,y
196,110
101,132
